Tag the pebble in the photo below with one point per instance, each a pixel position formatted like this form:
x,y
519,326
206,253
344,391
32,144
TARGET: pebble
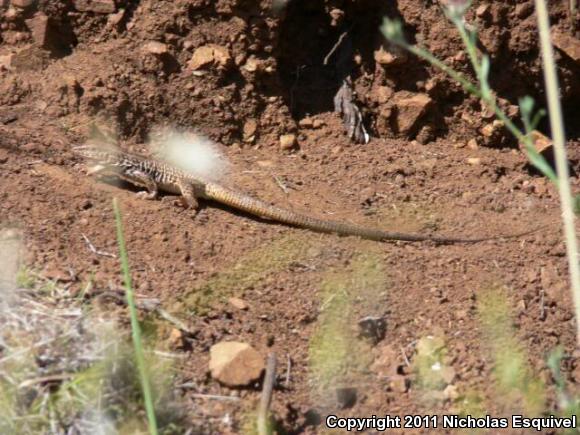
x,y
155,47
175,340
235,364
238,303
288,141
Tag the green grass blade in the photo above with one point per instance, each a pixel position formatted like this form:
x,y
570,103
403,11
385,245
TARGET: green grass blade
x,y
135,329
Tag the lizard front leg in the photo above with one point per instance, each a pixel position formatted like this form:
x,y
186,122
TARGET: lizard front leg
x,y
142,179
188,195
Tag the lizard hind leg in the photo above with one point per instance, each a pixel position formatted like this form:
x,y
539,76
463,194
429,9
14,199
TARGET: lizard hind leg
x,y
188,198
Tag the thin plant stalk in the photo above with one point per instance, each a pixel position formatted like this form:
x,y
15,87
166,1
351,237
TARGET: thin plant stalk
x,y
135,329
393,31
557,127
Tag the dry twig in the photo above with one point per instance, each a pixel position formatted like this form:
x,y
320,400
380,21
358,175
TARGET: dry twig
x,y
266,400
95,250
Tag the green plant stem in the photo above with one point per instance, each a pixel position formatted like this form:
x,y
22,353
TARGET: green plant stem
x,y
487,99
135,329
557,127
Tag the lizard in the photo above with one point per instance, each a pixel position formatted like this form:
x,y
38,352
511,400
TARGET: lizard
x,y
156,175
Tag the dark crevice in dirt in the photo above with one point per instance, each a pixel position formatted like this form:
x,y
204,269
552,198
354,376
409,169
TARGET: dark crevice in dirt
x,y
316,47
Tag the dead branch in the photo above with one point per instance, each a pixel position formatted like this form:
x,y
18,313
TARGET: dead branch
x,y
266,400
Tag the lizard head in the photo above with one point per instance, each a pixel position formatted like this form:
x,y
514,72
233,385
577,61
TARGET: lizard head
x,y
101,159
97,154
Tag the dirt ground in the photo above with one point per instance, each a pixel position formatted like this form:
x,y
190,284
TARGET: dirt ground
x,y
132,65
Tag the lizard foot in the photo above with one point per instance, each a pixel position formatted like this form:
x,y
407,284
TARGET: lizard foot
x,y
146,195
189,203
182,203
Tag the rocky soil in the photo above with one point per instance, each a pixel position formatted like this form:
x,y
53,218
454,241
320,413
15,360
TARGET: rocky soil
x,y
259,78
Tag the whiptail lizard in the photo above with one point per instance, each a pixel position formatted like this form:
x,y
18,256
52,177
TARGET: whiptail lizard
x,y
157,176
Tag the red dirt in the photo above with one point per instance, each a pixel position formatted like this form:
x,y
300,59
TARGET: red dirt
x,y
88,66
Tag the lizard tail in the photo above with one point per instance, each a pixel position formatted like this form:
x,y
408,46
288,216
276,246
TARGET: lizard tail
x,y
256,207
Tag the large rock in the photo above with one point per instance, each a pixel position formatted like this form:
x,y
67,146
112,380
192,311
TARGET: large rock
x,y
567,43
235,364
410,108
39,27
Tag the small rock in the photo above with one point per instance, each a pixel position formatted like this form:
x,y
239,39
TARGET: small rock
x,y
288,141
425,135
317,123
240,59
235,364
249,131
238,303
96,6
460,57
208,55
431,84
513,111
523,10
337,16
483,11
117,18
336,150
472,144
488,130
487,113
253,64
175,339
12,14
475,161
306,123
155,47
542,143
385,57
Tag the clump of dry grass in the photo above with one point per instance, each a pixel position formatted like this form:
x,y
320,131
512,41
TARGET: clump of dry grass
x,y
66,367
